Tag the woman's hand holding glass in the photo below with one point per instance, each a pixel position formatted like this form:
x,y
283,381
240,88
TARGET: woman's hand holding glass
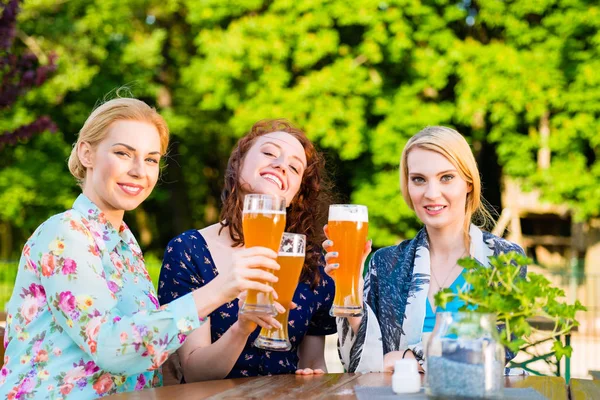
x,y
249,271
248,322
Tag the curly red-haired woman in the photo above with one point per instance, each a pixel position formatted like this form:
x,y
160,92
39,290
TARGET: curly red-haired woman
x,y
273,158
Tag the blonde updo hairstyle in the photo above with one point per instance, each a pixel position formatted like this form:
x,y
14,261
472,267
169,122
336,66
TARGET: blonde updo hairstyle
x,y
453,146
96,127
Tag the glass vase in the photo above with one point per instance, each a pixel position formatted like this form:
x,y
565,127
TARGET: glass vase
x,y
464,357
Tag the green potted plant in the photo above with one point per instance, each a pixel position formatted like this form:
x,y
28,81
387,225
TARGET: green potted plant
x,y
498,289
465,354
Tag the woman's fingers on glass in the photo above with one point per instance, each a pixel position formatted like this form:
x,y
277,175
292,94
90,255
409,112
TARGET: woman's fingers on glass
x,y
259,251
258,286
326,230
279,307
293,305
327,244
262,262
331,257
242,296
273,322
329,268
261,275
263,323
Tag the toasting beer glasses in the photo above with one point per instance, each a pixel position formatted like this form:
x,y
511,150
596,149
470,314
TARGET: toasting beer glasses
x,y
291,260
263,224
348,227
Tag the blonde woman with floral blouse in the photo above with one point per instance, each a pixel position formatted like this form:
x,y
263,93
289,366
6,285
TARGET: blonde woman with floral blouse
x,y
83,321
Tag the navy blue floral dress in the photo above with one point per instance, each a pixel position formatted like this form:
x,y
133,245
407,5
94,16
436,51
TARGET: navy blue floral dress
x,y
188,265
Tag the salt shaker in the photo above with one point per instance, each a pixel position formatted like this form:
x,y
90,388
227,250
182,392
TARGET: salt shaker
x,y
406,378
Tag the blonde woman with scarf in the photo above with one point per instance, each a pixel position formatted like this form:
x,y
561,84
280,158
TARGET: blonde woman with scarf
x,y
440,181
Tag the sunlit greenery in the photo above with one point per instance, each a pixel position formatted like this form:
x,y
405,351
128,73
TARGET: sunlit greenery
x,y
360,76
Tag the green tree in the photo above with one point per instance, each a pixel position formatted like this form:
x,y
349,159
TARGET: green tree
x,y
361,77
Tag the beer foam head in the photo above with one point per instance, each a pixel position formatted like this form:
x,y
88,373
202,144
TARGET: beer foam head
x,y
348,212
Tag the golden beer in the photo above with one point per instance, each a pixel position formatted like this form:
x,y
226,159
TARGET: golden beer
x,y
263,230
263,223
348,229
291,267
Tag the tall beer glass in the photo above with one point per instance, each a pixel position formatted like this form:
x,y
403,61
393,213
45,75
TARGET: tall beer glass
x,y
263,224
291,260
348,228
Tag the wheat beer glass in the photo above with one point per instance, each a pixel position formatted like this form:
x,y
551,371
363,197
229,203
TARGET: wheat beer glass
x,y
291,259
348,227
263,223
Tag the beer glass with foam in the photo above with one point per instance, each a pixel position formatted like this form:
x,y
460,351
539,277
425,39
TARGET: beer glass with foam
x,y
291,259
263,223
348,228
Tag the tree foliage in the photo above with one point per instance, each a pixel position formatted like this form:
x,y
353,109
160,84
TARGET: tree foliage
x,y
360,77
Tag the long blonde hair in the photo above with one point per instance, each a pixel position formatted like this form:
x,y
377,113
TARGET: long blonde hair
x,y
96,127
453,146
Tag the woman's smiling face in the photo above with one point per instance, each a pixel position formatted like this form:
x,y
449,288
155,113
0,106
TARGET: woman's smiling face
x,y
437,191
275,164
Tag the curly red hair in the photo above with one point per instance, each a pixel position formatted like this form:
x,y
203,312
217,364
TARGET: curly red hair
x,y
307,212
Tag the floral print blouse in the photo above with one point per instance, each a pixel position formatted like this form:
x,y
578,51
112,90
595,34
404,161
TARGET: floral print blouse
x,y
84,321
188,265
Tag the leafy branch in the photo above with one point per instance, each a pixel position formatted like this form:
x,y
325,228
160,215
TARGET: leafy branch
x,y
500,290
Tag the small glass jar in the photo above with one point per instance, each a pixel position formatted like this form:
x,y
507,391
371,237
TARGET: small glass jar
x,y
464,357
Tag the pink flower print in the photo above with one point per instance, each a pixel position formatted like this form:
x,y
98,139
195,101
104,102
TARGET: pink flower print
x,y
66,302
30,308
91,368
141,382
94,250
41,356
4,371
30,265
25,387
117,262
57,352
69,267
26,250
181,337
74,375
124,337
113,287
160,358
103,384
38,292
48,265
92,328
66,389
153,299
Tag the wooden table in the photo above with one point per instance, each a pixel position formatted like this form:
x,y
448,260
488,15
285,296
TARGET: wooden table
x,y
328,386
584,389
